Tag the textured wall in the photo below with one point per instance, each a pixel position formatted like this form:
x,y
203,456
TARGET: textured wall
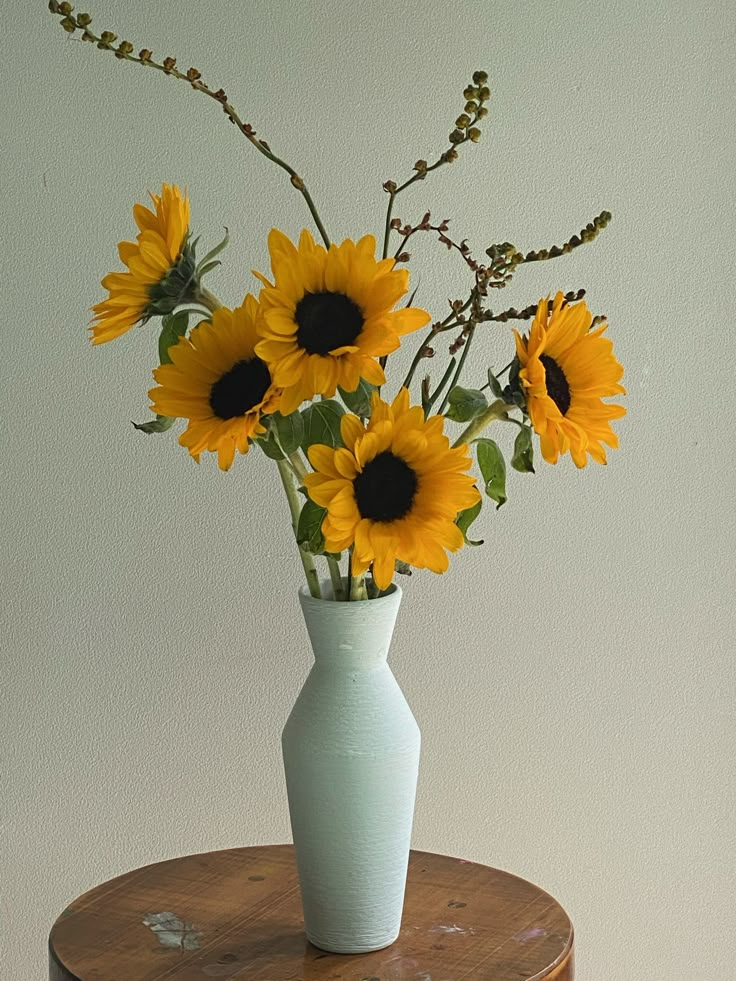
x,y
574,678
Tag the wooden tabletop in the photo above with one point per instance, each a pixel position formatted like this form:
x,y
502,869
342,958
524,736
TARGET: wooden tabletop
x,y
237,914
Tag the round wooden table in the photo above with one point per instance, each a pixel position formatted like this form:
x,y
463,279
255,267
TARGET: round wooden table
x,y
237,914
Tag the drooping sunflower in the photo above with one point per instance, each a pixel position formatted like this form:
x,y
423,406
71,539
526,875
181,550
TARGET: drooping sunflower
x,y
393,490
218,383
566,370
329,314
160,265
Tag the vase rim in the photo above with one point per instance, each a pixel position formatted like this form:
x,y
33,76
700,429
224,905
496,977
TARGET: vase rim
x,y
392,593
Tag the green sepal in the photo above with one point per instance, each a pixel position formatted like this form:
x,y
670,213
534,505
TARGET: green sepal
x,y
173,328
359,401
207,267
322,424
465,404
495,385
206,264
309,528
158,425
523,458
289,431
465,519
493,468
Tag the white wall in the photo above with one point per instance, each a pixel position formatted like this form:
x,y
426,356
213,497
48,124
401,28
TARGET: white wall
x,y
574,678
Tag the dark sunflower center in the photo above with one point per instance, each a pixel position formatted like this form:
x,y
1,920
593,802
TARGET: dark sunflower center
x,y
385,489
557,387
327,321
240,389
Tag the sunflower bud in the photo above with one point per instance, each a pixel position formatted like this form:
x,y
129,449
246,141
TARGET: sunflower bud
x,y
84,20
456,136
106,39
124,49
470,93
169,64
474,134
449,156
482,112
145,55
480,78
69,25
193,74
390,186
471,106
484,94
65,9
462,121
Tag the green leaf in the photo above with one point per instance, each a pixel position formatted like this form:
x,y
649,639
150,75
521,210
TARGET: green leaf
x,y
523,458
158,425
322,424
359,401
207,261
493,468
270,447
289,430
465,519
173,327
465,404
309,528
495,385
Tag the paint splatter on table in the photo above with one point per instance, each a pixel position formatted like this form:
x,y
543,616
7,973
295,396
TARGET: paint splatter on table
x,y
236,915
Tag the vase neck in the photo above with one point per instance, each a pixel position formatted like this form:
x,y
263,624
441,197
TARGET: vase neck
x,y
351,635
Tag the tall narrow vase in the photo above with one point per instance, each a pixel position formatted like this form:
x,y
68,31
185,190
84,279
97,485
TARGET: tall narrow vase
x,y
351,758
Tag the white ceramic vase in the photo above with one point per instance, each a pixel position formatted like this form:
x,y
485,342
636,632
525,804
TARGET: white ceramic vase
x,y
351,758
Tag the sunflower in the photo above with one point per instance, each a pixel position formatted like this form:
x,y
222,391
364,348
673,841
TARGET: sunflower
x,y
566,370
160,268
393,490
329,314
217,382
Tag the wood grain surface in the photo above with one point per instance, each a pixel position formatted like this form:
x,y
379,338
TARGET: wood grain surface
x,y
237,914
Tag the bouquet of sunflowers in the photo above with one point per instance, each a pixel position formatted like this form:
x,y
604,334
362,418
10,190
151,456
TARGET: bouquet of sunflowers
x,y
373,484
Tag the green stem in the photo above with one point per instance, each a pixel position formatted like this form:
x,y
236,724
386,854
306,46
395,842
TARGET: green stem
x,y
358,588
456,377
496,410
446,324
71,23
387,229
338,589
207,299
310,569
297,464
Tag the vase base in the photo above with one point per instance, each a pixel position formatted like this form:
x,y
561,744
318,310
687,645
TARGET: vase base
x,y
336,946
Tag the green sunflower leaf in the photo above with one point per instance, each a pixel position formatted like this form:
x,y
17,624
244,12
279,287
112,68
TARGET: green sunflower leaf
x,y
289,430
359,401
523,458
309,529
322,424
493,468
173,328
465,519
158,425
270,447
465,404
